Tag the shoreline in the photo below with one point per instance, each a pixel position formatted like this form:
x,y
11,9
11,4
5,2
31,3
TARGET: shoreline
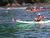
x,y
39,5
27,4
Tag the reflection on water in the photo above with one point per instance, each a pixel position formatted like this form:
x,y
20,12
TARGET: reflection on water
x,y
10,29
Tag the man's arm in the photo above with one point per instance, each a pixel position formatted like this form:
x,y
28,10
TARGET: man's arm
x,y
40,18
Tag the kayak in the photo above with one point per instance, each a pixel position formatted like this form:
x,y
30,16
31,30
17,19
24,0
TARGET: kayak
x,y
31,22
33,11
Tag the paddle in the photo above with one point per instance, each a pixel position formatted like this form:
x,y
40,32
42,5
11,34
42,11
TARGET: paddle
x,y
6,11
45,17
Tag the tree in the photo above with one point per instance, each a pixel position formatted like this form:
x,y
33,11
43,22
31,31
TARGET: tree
x,y
3,2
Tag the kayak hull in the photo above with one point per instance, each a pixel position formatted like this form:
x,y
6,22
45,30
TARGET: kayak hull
x,y
33,11
31,22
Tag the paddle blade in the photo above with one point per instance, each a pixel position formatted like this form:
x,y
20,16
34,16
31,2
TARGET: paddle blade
x,y
6,11
13,20
43,16
19,19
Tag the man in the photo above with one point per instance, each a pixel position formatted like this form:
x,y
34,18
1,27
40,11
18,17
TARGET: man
x,y
31,9
38,19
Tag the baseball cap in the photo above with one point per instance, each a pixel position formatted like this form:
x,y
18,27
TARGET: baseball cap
x,y
38,13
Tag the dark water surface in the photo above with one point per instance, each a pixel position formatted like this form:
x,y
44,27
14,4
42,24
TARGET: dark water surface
x,y
9,29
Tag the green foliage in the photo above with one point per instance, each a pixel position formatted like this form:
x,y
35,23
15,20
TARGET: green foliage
x,y
2,2
42,1
10,1
48,1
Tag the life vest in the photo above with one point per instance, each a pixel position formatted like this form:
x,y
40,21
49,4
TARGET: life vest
x,y
41,20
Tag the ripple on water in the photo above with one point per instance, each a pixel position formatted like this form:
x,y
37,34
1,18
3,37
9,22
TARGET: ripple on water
x,y
9,29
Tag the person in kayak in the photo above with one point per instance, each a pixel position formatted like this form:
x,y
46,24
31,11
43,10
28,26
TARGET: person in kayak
x,y
31,9
16,19
38,19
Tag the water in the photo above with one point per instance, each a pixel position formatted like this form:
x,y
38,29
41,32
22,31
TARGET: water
x,y
9,29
